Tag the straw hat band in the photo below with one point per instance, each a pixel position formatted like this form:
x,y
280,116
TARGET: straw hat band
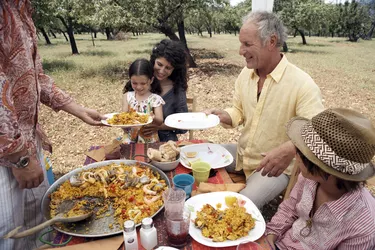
x,y
325,153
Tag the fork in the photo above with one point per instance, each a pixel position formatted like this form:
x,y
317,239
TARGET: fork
x,y
185,160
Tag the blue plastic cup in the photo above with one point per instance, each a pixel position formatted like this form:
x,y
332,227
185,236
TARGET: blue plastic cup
x,y
185,182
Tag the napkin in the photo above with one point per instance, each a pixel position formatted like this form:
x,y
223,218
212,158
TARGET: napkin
x,y
210,187
108,151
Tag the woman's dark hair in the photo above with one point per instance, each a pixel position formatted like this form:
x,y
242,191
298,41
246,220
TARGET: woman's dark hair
x,y
142,67
174,52
317,171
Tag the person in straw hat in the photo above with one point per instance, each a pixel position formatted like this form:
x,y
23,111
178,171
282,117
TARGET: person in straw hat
x,y
329,207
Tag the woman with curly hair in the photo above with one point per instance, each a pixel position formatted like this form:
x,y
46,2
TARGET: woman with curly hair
x,y
169,60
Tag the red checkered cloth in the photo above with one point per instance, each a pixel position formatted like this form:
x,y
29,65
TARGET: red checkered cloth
x,y
128,151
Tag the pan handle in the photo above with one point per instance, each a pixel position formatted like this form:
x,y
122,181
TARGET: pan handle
x,y
51,243
144,156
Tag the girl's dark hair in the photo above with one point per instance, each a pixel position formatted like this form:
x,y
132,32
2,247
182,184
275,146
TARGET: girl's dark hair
x,y
174,52
142,67
317,171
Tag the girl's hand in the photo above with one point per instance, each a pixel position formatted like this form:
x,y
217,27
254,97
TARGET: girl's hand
x,y
271,240
150,129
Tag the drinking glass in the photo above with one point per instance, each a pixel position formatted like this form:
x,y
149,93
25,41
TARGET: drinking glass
x,y
174,200
177,227
201,171
185,182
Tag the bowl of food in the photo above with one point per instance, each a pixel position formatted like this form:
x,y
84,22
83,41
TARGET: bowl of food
x,y
166,158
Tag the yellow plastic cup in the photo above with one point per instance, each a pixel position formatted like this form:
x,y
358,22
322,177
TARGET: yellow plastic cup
x,y
201,171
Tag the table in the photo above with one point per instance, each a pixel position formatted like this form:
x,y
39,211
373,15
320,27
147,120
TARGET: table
x,y
127,151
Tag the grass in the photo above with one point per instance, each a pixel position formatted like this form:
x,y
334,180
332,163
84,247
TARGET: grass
x,y
344,71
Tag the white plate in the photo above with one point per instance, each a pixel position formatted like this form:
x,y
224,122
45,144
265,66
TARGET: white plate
x,y
219,158
105,122
192,120
166,248
197,202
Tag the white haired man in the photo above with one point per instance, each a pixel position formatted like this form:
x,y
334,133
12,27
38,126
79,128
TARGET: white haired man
x,y
268,93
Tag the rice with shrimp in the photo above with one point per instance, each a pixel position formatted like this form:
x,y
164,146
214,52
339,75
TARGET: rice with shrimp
x,y
220,225
134,192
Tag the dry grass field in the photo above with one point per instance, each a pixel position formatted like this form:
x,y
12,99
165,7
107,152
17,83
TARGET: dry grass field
x,y
344,71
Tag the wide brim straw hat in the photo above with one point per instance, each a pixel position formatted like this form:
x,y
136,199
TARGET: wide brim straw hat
x,y
339,141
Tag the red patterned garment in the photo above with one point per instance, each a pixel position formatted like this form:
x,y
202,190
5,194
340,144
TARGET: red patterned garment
x,y
23,85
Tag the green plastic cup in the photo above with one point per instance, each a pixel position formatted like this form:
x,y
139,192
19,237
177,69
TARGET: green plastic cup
x,y
201,171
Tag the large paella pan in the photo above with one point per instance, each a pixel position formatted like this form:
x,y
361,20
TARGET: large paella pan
x,y
114,191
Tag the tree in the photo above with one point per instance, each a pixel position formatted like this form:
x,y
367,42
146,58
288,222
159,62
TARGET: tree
x,y
301,15
67,11
42,17
353,18
370,6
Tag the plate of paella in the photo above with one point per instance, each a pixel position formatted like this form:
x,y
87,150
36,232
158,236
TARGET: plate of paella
x,y
223,219
114,191
127,119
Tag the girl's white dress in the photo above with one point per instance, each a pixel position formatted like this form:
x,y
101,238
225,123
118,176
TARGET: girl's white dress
x,y
146,106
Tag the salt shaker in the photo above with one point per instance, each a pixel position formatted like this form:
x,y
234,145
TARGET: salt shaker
x,y
148,234
130,236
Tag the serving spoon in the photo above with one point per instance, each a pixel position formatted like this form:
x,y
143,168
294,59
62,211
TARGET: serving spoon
x,y
58,218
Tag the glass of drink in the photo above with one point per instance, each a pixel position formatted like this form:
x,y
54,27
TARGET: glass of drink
x,y
174,200
184,182
177,227
201,171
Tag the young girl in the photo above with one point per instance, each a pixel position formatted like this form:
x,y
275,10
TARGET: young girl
x,y
139,95
329,208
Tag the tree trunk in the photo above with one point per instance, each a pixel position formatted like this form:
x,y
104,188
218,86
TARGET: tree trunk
x,y
295,33
69,27
66,38
209,30
92,39
48,42
303,36
181,33
108,34
371,32
53,34
285,47
95,34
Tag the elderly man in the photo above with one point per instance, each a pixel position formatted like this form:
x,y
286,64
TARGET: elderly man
x,y
23,86
268,93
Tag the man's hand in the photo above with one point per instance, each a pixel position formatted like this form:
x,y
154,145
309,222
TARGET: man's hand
x,y
90,116
223,115
277,160
30,176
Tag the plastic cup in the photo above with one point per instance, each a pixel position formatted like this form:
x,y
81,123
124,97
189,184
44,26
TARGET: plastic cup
x,y
185,182
249,246
174,200
201,171
177,225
